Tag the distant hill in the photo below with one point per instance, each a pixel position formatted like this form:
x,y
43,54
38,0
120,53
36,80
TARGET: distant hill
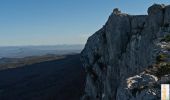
x,y
61,79
24,51
6,63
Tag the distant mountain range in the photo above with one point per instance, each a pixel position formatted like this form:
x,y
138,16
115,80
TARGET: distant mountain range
x,y
24,51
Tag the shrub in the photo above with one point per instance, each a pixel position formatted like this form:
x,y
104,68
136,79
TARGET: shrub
x,y
161,57
166,38
163,70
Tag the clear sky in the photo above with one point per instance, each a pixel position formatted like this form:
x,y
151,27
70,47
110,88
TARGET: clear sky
x,y
43,22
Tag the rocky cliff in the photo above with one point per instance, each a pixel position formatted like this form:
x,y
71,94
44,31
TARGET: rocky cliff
x,y
129,57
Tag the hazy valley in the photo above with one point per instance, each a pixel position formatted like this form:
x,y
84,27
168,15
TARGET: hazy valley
x,y
48,76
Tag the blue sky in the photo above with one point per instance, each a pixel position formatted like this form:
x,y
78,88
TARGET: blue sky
x,y
50,22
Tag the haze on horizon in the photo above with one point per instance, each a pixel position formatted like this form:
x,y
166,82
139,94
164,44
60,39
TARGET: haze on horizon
x,y
51,22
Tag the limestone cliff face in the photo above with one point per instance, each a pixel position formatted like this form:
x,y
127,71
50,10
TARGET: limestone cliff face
x,y
117,56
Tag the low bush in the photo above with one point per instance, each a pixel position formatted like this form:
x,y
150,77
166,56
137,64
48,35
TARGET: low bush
x,y
161,57
166,38
163,70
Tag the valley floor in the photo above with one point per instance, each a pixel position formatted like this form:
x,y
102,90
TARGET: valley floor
x,y
61,79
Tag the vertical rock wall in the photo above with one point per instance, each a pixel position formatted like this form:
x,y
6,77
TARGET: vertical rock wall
x,y
125,46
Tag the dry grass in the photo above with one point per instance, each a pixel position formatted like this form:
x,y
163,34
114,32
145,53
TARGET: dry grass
x,y
19,62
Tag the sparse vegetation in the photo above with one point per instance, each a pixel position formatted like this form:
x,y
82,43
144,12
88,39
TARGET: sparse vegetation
x,y
161,57
163,69
166,38
19,62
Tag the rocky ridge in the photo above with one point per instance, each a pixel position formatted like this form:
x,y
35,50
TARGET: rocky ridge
x,y
129,57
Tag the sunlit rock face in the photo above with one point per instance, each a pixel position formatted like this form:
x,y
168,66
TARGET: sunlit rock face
x,y
126,47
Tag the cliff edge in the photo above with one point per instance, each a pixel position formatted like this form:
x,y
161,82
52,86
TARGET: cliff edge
x,y
129,57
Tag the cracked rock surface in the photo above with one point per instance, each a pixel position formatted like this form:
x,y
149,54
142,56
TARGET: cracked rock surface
x,y
128,58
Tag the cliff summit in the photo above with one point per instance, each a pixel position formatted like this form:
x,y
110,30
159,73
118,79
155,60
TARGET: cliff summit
x,y
129,57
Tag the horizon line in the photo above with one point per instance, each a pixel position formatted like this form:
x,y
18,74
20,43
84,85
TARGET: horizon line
x,y
41,45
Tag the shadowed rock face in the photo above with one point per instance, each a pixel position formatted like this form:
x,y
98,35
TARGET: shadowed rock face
x,y
125,46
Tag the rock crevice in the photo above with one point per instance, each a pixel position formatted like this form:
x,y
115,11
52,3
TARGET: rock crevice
x,y
125,47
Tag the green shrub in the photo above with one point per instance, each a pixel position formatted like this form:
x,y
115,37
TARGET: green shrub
x,y
163,70
161,57
166,38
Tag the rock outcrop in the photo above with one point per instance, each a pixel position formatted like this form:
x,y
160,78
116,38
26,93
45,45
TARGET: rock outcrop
x,y
128,58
